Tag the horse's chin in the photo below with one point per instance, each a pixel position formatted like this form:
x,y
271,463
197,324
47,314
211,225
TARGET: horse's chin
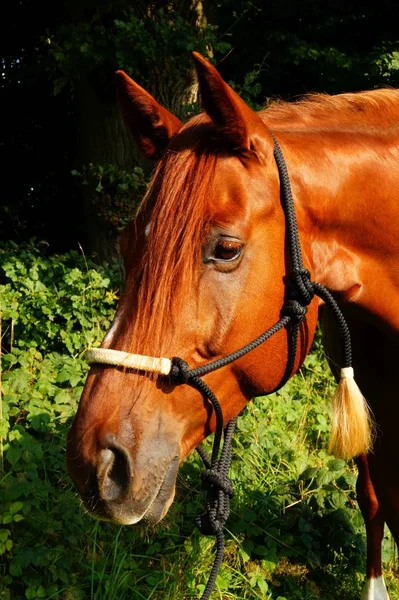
x,y
125,512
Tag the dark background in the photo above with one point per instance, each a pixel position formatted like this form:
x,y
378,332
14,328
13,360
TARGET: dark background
x,y
58,103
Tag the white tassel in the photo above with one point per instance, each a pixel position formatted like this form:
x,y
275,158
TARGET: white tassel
x,y
352,426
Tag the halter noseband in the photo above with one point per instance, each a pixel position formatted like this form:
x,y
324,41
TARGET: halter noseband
x,y
138,362
299,294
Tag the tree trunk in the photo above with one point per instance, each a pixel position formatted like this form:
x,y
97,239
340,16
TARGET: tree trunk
x,y
102,139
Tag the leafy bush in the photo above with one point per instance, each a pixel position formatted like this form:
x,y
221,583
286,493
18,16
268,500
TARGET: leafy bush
x,y
53,303
294,534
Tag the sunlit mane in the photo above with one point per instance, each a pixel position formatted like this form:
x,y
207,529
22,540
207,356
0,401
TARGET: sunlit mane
x,y
360,111
179,219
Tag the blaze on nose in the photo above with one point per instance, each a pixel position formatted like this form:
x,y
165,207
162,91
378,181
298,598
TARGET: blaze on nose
x,y
114,471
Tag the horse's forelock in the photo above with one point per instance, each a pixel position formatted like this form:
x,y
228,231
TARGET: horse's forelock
x,y
180,194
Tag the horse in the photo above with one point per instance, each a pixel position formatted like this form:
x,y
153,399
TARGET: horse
x,y
206,266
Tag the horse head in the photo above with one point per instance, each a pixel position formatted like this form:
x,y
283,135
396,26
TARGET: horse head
x,y
206,273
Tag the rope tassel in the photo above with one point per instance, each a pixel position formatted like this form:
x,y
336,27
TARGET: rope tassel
x,y
352,426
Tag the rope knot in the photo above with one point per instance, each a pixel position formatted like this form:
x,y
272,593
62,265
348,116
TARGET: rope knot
x,y
301,286
219,490
208,525
180,371
295,310
213,478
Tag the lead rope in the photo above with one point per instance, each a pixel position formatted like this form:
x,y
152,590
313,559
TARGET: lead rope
x,y
215,478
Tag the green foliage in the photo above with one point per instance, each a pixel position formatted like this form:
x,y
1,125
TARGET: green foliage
x,y
132,37
54,304
294,533
330,46
251,88
116,193
52,308
334,46
112,179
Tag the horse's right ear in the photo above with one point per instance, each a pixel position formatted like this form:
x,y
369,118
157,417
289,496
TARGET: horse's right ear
x,y
150,123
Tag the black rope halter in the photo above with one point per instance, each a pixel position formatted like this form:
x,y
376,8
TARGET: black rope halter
x,y
299,294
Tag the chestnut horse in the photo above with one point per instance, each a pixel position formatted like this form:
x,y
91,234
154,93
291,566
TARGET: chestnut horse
x,y
206,265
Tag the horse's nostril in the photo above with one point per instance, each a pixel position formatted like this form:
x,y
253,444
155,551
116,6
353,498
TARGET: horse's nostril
x,y
114,474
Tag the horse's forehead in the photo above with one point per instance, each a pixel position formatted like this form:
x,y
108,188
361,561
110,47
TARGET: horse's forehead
x,y
238,187
231,183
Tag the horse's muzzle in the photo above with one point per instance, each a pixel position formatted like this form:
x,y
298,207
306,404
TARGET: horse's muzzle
x,y
124,486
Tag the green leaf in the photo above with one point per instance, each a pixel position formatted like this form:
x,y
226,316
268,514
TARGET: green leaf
x,y
261,550
4,533
262,585
15,507
7,519
244,554
324,476
18,518
62,397
15,568
336,464
309,473
338,499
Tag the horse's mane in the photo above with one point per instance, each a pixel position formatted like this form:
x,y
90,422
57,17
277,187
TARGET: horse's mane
x,y
377,108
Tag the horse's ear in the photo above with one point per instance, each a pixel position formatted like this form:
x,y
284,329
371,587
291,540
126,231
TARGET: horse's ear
x,y
151,124
239,123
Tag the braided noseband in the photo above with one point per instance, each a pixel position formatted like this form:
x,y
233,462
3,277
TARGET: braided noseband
x,y
299,294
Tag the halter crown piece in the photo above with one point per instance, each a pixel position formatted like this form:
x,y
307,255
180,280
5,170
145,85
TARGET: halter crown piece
x,y
299,294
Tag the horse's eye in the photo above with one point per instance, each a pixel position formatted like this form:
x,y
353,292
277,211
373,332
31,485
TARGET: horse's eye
x,y
226,250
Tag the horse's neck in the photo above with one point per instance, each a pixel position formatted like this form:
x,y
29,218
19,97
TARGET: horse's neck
x,y
346,187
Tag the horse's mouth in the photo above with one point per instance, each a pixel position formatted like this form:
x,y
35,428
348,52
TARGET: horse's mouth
x,y
164,498
131,512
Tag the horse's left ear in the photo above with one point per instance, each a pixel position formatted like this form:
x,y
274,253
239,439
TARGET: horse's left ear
x,y
152,125
239,123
